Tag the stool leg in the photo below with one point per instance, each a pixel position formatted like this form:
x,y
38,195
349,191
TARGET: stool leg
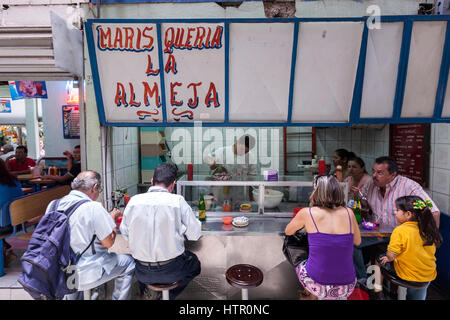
x,y
2,260
401,293
165,295
244,294
87,294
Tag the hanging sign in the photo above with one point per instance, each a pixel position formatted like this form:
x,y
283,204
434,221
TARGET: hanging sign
x,y
141,82
28,89
5,106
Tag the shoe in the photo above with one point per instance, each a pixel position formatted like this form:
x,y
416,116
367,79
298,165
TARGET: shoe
x,y
10,257
151,294
378,296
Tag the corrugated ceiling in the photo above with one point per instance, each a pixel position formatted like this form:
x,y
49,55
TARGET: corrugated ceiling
x,y
27,54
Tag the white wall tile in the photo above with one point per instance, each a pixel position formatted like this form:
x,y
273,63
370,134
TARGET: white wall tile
x,y
442,201
5,294
442,156
127,155
118,156
345,134
330,147
332,134
441,181
370,148
356,147
442,133
356,134
379,148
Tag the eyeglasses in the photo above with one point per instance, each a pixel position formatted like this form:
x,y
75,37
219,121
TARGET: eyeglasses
x,y
99,188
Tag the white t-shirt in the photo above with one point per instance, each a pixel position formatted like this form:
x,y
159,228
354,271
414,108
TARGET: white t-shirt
x,y
90,218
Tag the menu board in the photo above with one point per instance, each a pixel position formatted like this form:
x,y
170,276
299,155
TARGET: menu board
x,y
71,122
409,146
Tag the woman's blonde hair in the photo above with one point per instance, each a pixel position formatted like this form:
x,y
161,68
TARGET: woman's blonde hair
x,y
327,192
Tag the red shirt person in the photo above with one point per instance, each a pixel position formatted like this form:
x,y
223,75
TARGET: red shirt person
x,y
21,163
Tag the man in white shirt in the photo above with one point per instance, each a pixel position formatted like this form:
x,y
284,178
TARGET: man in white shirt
x,y
96,266
155,224
239,163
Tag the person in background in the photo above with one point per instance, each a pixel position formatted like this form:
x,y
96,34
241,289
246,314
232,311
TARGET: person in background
x,y
96,266
357,176
155,224
73,167
20,164
8,152
237,161
9,189
381,191
341,157
412,247
328,273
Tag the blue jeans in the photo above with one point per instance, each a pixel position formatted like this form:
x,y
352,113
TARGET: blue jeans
x,y
417,294
185,267
358,258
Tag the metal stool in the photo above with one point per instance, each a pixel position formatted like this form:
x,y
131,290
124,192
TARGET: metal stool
x,y
244,276
164,288
402,284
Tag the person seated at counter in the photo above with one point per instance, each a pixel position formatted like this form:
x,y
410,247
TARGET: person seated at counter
x,y
340,158
20,164
155,224
381,191
73,167
328,273
357,176
9,189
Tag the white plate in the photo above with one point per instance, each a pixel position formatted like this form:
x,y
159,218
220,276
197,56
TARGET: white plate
x,y
239,226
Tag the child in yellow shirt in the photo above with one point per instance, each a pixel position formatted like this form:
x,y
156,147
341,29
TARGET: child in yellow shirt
x,y
413,244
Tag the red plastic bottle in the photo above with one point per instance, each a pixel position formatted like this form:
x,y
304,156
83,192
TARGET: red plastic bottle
x,y
126,198
322,167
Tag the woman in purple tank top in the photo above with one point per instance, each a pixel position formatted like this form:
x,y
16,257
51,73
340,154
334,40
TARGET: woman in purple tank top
x,y
328,273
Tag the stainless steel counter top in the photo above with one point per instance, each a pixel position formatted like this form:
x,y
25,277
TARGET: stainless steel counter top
x,y
257,225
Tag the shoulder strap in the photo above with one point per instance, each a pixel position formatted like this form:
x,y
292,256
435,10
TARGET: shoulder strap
x,y
70,211
74,207
55,205
349,219
313,219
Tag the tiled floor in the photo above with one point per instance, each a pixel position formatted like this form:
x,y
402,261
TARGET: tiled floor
x,y
10,289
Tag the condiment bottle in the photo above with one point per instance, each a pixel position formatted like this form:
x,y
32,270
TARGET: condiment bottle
x,y
226,206
322,168
201,209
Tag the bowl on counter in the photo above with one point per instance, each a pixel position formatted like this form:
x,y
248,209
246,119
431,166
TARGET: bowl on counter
x,y
227,220
272,198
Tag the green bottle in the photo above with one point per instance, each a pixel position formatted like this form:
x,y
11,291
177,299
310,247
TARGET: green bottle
x,y
201,209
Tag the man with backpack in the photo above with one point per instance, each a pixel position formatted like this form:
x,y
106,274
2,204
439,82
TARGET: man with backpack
x,y
92,232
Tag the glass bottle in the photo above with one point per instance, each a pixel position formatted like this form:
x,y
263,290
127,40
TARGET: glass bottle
x,y
201,209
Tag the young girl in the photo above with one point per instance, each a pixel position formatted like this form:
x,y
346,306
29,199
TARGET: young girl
x,y
413,245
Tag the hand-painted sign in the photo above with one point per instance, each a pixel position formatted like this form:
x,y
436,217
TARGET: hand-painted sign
x,y
131,73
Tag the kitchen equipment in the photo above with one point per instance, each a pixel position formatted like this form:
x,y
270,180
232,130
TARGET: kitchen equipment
x,y
208,201
272,198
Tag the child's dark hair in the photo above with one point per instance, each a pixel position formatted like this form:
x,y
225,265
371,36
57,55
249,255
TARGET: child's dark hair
x,y
427,225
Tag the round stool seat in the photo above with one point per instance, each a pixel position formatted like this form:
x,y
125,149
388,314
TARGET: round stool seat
x,y
162,287
401,282
244,276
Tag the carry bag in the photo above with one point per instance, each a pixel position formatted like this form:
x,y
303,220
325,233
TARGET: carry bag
x,y
295,247
49,256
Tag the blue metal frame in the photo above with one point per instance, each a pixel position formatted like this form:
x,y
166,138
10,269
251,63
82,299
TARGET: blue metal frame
x,y
354,115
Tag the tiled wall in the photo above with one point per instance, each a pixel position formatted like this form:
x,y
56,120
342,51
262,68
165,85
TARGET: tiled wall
x,y
366,143
123,159
440,166
298,147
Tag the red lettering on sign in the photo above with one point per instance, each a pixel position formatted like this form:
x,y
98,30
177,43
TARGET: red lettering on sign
x,y
148,93
173,93
193,102
212,96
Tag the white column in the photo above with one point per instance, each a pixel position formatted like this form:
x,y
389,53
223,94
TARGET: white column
x,y
31,123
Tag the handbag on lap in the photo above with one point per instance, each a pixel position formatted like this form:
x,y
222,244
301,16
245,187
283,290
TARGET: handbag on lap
x,y
296,248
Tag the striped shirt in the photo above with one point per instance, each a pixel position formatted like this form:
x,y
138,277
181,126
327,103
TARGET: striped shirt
x,y
384,207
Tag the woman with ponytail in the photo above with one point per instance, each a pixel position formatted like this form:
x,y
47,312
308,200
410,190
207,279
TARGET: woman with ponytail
x,y
413,245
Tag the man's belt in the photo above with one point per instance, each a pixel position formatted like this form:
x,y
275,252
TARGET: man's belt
x,y
158,263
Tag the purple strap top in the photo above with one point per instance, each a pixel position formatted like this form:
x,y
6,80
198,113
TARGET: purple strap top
x,y
330,260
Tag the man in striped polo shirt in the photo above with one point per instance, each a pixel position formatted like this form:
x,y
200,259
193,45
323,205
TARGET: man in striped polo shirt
x,y
381,192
